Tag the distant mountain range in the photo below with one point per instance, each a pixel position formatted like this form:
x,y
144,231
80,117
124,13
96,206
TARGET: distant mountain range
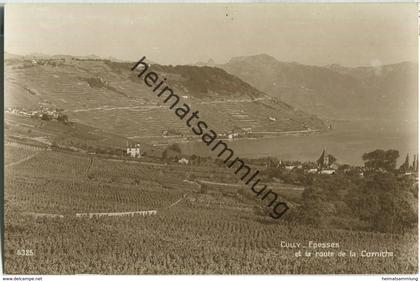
x,y
334,92
9,56
105,94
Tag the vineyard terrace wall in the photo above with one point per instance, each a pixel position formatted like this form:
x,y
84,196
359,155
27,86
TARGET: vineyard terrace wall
x,y
209,137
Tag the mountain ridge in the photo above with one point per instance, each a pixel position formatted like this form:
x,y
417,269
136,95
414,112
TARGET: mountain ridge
x,y
333,92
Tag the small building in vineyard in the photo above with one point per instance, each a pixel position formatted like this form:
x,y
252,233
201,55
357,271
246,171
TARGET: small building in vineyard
x,y
134,151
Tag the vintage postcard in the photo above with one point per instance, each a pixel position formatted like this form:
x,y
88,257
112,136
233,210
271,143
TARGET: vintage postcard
x,y
228,138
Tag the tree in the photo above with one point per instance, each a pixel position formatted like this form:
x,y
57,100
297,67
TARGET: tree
x,y
62,118
46,117
169,151
381,160
331,159
175,147
165,154
406,165
203,188
385,203
316,206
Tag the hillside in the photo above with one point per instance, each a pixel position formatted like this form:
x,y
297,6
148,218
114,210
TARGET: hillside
x,y
72,136
105,94
382,92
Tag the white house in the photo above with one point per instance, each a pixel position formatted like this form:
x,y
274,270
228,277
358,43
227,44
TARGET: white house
x,y
327,172
183,161
134,151
231,136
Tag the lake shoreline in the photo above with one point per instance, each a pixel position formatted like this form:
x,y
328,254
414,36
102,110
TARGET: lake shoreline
x,y
347,141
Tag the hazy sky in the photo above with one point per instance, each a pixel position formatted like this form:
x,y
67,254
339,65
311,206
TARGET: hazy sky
x,y
320,34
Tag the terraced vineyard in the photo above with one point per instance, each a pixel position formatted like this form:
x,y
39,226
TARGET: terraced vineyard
x,y
209,232
108,96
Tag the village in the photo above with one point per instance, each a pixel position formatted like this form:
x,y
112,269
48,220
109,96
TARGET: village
x,y
326,164
43,113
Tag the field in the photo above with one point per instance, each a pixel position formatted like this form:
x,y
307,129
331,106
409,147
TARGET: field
x,y
192,232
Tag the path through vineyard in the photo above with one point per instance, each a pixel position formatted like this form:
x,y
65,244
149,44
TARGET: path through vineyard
x,y
21,160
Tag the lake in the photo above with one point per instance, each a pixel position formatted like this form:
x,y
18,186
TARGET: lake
x,y
347,141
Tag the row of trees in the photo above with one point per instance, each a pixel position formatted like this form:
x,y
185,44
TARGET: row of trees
x,y
382,200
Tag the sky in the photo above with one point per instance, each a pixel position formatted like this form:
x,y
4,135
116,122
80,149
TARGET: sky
x,y
316,34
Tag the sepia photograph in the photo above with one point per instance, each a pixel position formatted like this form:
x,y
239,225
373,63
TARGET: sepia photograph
x,y
210,139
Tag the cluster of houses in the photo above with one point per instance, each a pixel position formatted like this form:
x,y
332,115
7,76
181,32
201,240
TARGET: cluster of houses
x,y
50,62
43,113
234,134
118,214
60,60
230,135
324,165
135,151
171,132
